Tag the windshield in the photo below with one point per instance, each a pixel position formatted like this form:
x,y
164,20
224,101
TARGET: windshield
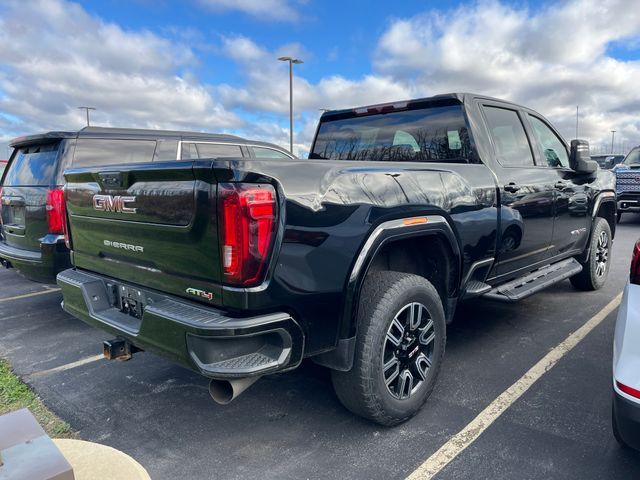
x,y
33,166
433,134
633,158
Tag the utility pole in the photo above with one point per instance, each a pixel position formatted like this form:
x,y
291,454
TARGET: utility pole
x,y
577,110
86,109
613,135
291,61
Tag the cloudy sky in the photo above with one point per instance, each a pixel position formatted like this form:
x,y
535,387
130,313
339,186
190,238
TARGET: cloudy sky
x,y
211,65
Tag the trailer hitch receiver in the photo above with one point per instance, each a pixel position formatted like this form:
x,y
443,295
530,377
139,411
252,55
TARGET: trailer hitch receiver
x,y
118,349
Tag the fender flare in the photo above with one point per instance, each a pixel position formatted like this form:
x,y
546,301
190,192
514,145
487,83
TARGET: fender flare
x,y
342,357
606,196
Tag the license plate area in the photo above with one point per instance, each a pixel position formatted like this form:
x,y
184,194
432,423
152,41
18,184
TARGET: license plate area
x,y
131,301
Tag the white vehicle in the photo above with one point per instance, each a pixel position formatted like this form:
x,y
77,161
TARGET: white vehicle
x,y
626,361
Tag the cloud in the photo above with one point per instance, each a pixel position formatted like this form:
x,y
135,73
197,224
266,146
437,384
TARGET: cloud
x,y
268,10
63,57
550,60
266,86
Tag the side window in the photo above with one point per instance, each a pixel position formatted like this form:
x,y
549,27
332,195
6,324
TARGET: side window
x,y
189,151
260,152
509,137
214,150
554,151
92,151
165,150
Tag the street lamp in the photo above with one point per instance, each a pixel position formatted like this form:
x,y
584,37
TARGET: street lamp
x,y
613,134
87,110
291,61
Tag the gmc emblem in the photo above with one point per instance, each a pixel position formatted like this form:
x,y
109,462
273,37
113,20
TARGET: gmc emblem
x,y
109,203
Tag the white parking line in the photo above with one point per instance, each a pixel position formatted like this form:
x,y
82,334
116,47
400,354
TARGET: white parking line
x,y
68,366
27,295
465,437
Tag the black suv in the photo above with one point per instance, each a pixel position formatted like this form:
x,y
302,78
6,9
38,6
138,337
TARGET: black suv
x,y
31,199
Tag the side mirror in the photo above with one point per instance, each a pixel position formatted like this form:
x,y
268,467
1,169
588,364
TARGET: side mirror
x,y
579,158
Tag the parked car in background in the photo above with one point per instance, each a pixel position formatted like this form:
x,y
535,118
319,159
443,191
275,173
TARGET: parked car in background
x,y
3,165
32,230
356,257
607,160
628,183
626,361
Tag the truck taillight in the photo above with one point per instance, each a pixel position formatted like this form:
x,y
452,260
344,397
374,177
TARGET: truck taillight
x,y
56,218
247,230
634,276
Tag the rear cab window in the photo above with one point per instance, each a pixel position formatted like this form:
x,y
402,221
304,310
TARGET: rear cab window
x,y
434,133
33,166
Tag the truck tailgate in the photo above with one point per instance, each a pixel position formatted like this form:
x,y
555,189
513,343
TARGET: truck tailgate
x,y
154,224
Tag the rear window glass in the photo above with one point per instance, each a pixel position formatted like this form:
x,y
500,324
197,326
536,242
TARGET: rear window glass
x,y
33,166
91,152
433,134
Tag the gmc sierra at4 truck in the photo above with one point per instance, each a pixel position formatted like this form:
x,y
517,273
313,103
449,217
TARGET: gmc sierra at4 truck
x,y
355,257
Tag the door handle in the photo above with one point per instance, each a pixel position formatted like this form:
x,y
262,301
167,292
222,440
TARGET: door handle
x,y
511,187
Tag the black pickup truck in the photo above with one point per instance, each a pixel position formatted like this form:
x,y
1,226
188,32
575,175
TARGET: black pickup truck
x,y
357,256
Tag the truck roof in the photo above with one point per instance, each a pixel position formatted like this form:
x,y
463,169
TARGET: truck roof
x,y
129,133
443,97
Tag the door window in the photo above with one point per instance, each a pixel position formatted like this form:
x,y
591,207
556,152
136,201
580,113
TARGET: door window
x,y
511,143
553,149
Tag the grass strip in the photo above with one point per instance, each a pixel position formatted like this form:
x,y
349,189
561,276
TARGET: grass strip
x,y
15,394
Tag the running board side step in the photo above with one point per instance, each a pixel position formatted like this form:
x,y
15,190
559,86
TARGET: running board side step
x,y
534,282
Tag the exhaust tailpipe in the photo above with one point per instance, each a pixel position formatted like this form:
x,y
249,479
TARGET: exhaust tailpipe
x,y
224,391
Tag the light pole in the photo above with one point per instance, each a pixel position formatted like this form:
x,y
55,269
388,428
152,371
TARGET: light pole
x,y
613,134
87,110
291,61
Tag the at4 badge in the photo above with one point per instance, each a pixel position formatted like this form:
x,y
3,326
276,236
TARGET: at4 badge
x,y
200,293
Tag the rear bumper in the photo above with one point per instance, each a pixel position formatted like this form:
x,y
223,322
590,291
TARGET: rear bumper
x,y
205,339
43,265
626,414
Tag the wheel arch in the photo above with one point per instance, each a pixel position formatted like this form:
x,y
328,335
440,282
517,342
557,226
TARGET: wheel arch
x,y
399,241
605,207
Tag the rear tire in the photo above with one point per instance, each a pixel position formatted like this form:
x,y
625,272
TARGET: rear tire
x,y
596,269
399,348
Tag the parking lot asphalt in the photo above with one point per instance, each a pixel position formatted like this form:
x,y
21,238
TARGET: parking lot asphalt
x,y
292,426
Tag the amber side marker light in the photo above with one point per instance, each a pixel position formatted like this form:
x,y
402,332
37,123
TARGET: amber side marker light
x,y
415,221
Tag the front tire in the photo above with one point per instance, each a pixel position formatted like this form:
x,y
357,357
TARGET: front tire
x,y
596,269
399,348
618,217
